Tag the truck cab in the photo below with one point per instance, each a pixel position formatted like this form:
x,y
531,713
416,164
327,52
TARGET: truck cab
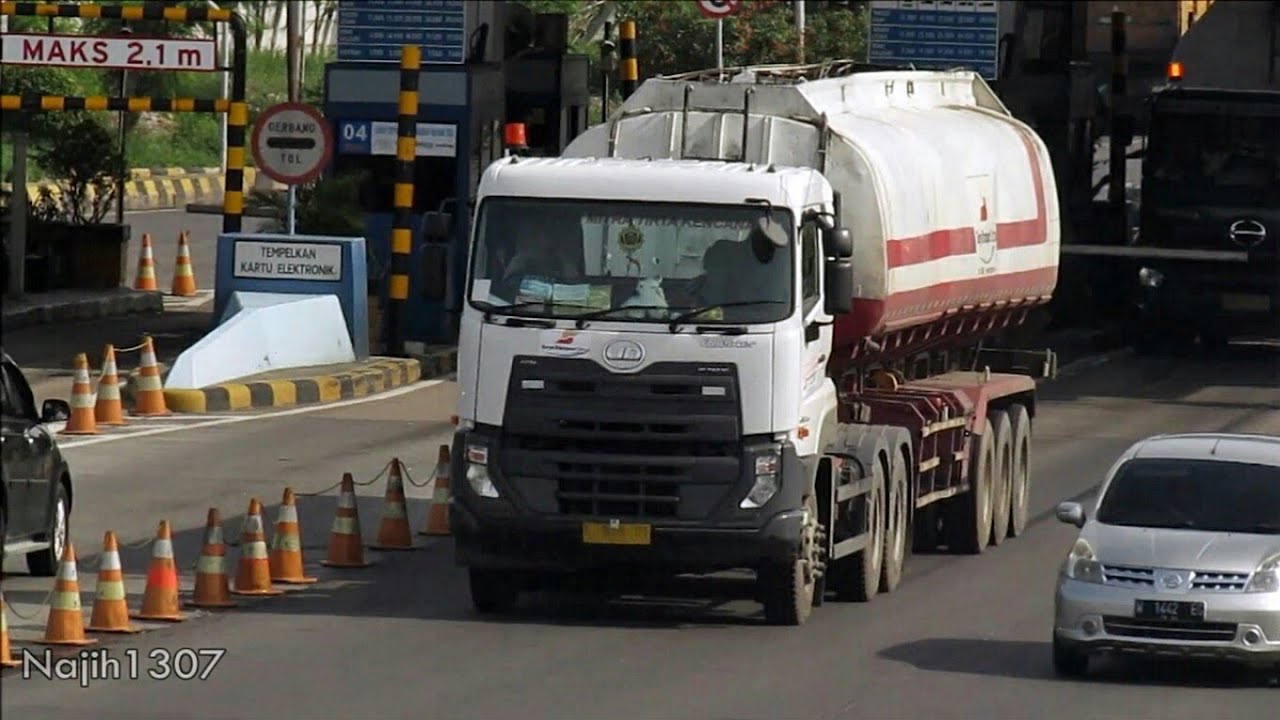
x,y
643,349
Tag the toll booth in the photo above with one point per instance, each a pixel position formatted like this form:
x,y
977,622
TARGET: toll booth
x,y
464,102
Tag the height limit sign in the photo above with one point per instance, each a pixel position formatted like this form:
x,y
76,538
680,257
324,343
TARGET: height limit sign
x,y
292,143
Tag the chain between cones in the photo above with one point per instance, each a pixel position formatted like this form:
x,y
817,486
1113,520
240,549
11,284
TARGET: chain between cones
x,y
9,606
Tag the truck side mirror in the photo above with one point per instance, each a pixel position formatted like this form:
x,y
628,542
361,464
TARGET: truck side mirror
x,y
839,286
838,242
435,254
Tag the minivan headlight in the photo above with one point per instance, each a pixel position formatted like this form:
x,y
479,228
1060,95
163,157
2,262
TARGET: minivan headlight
x,y
1267,577
1082,565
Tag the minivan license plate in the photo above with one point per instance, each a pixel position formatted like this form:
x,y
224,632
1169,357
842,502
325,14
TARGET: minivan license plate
x,y
1168,610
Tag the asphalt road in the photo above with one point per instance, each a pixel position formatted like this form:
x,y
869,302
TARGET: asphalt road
x,y
962,637
164,227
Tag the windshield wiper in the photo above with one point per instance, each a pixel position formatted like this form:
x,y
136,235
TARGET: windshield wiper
x,y
605,312
489,308
685,317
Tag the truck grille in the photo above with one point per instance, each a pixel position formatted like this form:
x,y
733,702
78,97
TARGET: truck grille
x,y
1207,581
662,443
1151,630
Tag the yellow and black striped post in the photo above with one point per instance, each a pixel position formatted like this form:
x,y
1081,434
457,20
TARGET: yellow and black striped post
x,y
235,108
629,66
402,221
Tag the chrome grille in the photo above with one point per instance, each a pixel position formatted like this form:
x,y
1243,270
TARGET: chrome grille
x,y
1158,630
1205,581
1128,575
1219,581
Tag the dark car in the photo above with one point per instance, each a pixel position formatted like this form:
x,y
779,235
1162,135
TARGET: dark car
x,y
35,498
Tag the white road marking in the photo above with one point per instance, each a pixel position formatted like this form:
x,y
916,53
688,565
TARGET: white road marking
x,y
247,418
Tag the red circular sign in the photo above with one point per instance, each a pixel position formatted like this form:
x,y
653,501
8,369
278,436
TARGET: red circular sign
x,y
718,9
292,143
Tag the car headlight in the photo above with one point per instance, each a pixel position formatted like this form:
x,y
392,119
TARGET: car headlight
x,y
1081,564
1267,577
478,471
1150,277
768,470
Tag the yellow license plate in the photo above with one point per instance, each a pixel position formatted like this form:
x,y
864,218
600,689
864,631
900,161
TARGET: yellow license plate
x,y
1246,303
621,534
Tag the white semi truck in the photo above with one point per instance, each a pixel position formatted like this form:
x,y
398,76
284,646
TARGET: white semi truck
x,y
734,327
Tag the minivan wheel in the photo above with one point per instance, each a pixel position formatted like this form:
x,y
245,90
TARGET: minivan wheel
x,y
44,563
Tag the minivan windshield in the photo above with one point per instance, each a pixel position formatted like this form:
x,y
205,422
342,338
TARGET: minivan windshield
x,y
630,261
1207,495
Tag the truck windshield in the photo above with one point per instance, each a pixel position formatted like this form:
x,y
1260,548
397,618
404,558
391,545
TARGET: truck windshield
x,y
629,261
1207,495
1218,159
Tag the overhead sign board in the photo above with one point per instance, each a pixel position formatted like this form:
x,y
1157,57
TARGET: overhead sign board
x,y
376,30
936,35
292,143
287,261
718,9
122,53
376,137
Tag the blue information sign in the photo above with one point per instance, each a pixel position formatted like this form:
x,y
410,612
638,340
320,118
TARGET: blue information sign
x,y
375,30
936,35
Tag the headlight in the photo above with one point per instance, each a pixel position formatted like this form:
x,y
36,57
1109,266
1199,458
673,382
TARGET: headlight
x,y
1267,577
478,471
1081,564
767,471
1150,277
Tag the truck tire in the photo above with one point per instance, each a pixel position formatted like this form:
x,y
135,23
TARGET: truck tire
x,y
896,521
493,591
1020,422
786,589
859,573
1002,475
968,522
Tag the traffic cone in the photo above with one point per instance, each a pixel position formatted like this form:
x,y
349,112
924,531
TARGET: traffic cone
x,y
149,398
393,531
212,587
6,653
146,278
438,512
253,575
286,545
160,599
66,618
346,549
110,607
82,420
109,410
184,280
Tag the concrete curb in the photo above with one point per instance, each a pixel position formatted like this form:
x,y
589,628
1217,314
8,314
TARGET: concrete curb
x,y
164,188
374,376
94,308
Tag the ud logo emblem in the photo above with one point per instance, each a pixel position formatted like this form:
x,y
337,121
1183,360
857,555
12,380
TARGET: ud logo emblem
x,y
623,354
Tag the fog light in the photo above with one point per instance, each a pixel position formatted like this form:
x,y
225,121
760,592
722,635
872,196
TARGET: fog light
x,y
1090,627
1252,637
478,472
766,484
1150,277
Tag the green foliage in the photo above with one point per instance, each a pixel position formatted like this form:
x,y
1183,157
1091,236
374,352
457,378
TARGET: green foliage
x,y
328,206
81,159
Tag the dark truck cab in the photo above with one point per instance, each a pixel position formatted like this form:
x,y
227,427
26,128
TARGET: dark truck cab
x,y
1210,215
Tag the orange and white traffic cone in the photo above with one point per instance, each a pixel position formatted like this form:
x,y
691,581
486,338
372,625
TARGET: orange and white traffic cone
x,y
109,410
253,574
184,279
82,420
6,652
66,617
438,512
160,599
286,545
146,278
149,398
110,607
213,589
393,531
346,549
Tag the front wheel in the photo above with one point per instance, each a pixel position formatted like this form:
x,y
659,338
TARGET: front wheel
x,y
44,563
787,589
493,591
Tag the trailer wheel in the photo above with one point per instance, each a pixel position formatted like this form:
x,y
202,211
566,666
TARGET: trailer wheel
x,y
968,522
786,589
1020,421
896,521
859,573
1002,475
493,591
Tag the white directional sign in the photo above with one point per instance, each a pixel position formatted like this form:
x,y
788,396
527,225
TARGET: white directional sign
x,y
78,51
292,143
718,9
